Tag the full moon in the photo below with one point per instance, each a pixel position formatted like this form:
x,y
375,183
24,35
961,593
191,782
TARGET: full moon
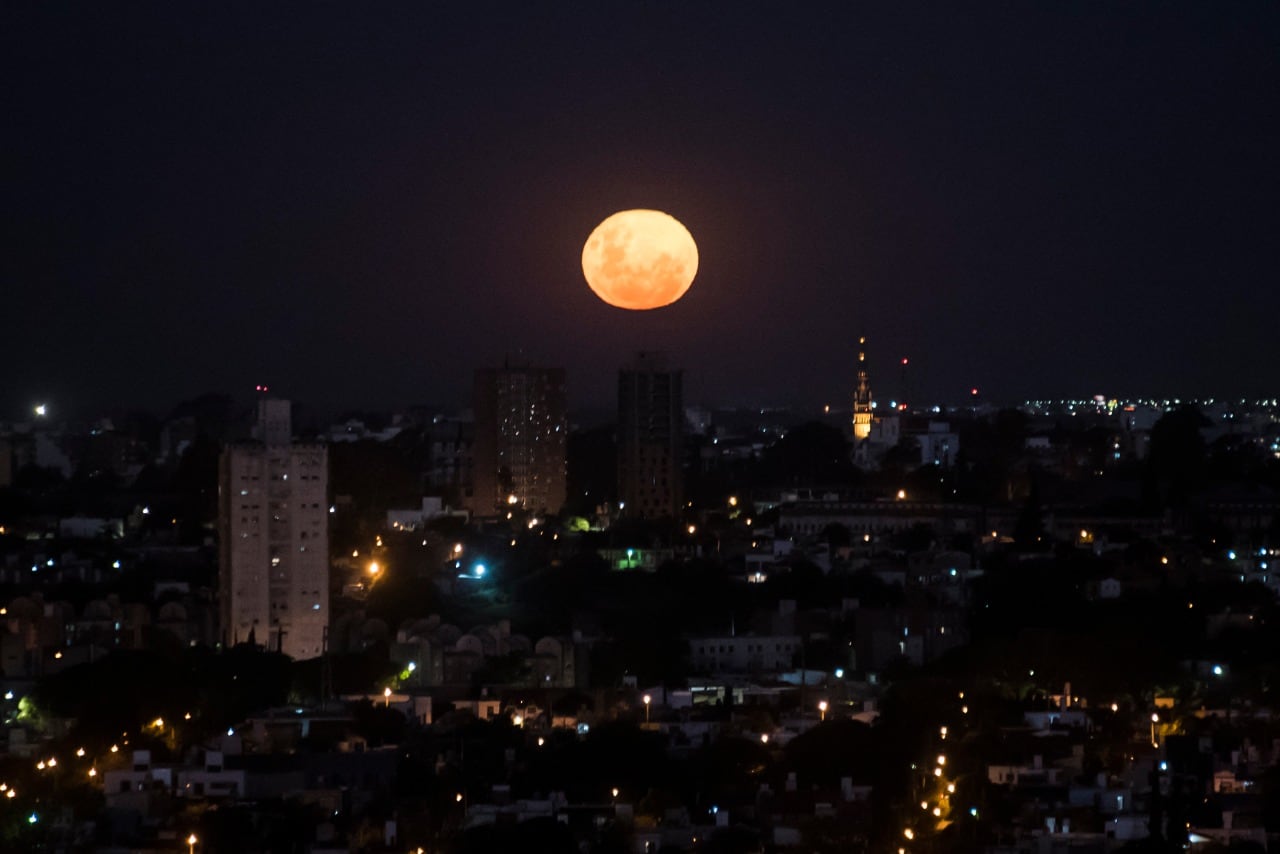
x,y
640,259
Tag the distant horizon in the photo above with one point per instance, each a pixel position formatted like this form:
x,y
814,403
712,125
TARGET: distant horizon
x,y
590,414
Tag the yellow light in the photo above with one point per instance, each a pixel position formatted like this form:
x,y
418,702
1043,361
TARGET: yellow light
x,y
80,752
937,810
1164,561
53,761
764,738
458,797
937,772
909,833
924,805
647,699
93,772
115,749
158,723
518,720
374,569
356,553
692,529
951,788
1115,707
733,501
192,840
457,548
511,499
386,692
942,760
12,793
615,792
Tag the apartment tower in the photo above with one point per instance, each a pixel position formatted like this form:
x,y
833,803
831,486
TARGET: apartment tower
x,y
650,437
273,546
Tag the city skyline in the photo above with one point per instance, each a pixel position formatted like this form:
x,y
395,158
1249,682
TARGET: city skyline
x,y
360,211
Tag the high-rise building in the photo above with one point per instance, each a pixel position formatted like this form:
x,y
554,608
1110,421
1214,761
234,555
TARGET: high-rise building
x,y
518,455
650,437
862,396
273,528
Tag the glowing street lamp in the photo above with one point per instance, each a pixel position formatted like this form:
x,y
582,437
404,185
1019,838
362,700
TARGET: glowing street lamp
x,y
647,701
191,844
386,697
822,710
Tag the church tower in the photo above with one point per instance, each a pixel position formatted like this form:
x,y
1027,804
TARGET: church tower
x,y
862,396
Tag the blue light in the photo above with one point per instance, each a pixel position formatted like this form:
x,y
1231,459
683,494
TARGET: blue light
x,y
1217,670
839,672
1231,555
480,570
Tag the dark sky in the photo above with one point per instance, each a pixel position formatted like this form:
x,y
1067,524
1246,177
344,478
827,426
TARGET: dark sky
x,y
361,204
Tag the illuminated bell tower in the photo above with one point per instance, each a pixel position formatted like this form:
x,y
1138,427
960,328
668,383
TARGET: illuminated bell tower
x,y
862,396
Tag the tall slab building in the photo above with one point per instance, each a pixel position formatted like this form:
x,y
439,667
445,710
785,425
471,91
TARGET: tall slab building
x,y
650,437
521,427
273,546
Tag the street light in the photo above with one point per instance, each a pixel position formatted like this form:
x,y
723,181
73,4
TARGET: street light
x,y
191,844
1155,719
647,700
386,697
822,709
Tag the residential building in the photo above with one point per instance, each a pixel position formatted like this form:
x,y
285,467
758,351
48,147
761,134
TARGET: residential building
x,y
273,556
519,445
650,437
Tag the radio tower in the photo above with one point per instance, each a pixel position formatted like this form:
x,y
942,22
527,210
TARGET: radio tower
x,y
862,396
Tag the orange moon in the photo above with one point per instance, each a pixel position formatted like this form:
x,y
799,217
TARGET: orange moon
x,y
640,259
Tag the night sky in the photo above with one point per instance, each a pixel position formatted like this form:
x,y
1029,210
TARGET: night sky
x,y
359,204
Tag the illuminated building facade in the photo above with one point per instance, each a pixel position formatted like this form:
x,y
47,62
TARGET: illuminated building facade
x,y
650,437
521,429
862,396
273,529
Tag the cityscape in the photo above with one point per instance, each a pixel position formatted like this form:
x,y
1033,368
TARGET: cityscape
x,y
649,430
